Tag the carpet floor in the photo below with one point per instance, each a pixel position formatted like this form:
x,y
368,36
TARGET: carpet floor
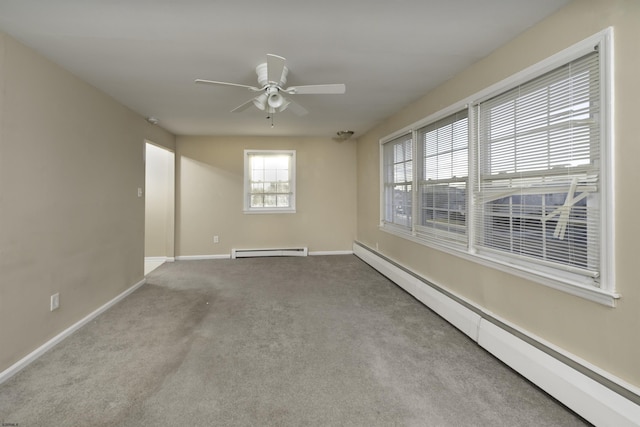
x,y
315,341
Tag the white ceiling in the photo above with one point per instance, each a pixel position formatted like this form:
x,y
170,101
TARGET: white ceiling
x,y
147,53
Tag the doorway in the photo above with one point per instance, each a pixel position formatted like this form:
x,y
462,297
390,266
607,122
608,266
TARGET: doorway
x,y
159,206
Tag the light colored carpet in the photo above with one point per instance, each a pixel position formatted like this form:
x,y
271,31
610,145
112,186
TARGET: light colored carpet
x,y
311,341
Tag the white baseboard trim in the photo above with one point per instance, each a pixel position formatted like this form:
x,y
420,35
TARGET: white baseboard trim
x,y
159,259
31,357
589,398
201,257
320,253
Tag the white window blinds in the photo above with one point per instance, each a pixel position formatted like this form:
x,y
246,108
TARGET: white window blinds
x,y
398,181
443,150
538,184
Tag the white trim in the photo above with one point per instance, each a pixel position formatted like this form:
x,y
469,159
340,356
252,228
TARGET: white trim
x,y
261,211
589,398
201,257
322,253
31,357
607,133
159,259
382,198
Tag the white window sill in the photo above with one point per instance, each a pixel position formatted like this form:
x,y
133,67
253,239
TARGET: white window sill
x,y
269,211
555,281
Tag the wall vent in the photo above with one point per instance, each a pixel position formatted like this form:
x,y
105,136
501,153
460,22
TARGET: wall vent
x,y
248,253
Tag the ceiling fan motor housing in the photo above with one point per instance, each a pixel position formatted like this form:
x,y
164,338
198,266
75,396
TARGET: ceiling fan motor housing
x,y
263,78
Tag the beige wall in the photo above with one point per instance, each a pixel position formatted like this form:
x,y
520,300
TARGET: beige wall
x,y
210,187
159,200
71,161
71,222
606,337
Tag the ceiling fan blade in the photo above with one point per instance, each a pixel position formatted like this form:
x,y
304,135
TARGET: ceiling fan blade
x,y
243,107
296,108
212,82
317,89
275,68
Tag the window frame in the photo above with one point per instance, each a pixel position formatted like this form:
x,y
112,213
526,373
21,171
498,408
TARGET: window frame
x,y
438,234
385,184
247,208
548,276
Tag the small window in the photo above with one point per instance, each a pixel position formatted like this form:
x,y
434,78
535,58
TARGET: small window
x,y
269,183
443,150
538,193
398,181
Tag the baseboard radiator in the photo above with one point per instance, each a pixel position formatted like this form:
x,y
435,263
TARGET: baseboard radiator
x,y
250,253
601,400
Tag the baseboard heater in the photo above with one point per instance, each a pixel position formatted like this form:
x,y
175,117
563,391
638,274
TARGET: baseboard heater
x,y
603,400
249,253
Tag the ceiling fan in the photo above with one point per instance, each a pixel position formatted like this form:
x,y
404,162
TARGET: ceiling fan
x,y
272,76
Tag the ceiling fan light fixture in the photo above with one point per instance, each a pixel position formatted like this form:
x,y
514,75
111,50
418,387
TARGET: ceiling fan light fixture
x,y
276,100
260,101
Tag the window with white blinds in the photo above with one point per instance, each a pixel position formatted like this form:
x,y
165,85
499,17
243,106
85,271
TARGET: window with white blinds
x,y
397,157
269,184
443,150
516,176
537,191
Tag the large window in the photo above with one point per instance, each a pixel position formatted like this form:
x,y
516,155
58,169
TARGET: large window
x,y
515,176
269,184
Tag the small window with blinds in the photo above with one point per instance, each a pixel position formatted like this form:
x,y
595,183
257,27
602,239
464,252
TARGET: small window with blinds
x,y
269,184
398,181
443,150
537,197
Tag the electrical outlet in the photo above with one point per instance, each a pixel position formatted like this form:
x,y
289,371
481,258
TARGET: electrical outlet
x,y
216,239
55,301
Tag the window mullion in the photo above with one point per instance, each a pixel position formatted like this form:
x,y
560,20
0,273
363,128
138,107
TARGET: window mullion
x,y
473,179
418,166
